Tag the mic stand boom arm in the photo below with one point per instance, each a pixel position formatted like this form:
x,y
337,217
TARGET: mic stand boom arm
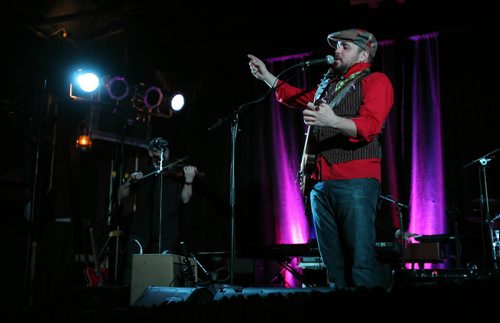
x,y
232,119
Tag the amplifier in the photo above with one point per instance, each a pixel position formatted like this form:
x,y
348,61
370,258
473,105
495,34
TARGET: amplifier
x,y
432,275
160,270
425,252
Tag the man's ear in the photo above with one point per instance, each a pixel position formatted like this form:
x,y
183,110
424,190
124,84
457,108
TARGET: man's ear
x,y
364,56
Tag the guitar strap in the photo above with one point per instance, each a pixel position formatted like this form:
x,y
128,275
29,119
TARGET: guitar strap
x,y
342,87
333,91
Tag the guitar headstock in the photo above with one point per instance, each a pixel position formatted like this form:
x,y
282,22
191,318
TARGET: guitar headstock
x,y
321,91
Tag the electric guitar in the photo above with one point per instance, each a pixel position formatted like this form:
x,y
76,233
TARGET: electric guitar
x,y
97,278
308,160
89,272
94,276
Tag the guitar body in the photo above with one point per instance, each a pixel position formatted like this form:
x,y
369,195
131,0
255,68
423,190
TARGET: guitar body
x,y
91,277
307,167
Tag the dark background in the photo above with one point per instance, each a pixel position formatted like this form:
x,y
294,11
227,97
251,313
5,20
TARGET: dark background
x,y
201,49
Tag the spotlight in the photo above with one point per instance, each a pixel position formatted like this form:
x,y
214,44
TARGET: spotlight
x,y
176,101
173,102
88,82
153,97
117,88
83,84
153,101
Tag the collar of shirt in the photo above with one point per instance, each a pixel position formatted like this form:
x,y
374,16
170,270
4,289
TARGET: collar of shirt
x,y
357,67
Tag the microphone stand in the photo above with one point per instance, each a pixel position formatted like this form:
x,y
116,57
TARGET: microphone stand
x,y
160,199
205,271
233,119
188,271
160,169
114,203
157,172
485,201
400,206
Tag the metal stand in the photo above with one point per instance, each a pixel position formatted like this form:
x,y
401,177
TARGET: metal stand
x,y
485,202
233,120
160,199
205,272
112,234
114,183
112,217
232,197
187,271
400,206
160,168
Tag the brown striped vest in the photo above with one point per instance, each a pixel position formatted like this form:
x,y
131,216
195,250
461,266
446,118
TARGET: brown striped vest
x,y
335,146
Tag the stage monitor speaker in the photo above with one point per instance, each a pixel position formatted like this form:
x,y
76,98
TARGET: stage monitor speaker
x,y
158,295
161,270
264,292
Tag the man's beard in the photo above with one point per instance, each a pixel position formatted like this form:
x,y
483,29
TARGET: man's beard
x,y
341,68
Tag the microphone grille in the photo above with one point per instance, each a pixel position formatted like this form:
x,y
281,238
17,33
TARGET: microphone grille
x,y
330,59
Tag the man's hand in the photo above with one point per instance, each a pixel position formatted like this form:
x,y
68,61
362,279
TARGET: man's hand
x,y
319,115
260,71
189,173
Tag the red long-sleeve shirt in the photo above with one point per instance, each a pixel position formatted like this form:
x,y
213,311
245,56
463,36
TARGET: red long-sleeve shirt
x,y
378,98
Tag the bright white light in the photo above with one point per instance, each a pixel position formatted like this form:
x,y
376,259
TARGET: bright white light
x,y
88,82
177,102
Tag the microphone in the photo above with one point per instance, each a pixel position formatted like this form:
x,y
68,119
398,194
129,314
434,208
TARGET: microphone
x,y
328,60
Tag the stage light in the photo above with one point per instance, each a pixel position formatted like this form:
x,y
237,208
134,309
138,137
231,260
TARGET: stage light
x,y
176,101
153,97
84,85
117,88
87,81
172,102
152,101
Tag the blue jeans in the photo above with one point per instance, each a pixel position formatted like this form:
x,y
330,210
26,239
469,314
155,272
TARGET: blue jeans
x,y
344,213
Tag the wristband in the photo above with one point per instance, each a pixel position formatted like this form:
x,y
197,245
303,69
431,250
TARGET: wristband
x,y
187,183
